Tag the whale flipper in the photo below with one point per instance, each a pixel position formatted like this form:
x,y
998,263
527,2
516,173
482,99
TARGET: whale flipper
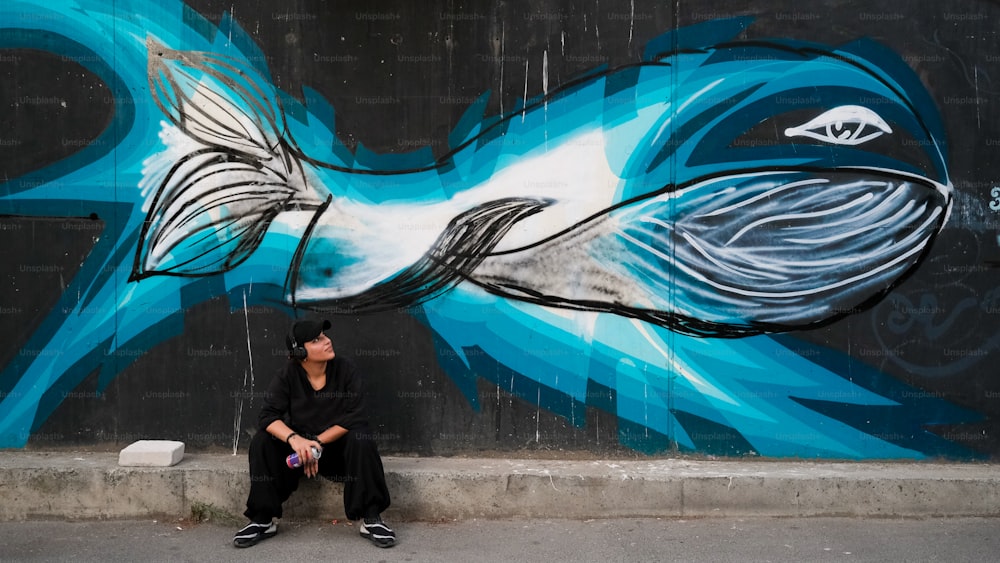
x,y
466,241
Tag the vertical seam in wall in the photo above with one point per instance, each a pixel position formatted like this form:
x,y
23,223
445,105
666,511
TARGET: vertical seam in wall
x,y
116,358
672,285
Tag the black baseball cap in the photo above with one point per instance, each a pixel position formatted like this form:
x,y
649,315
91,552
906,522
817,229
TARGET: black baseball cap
x,y
305,330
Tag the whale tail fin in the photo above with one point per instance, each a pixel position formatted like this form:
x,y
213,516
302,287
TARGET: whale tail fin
x,y
228,173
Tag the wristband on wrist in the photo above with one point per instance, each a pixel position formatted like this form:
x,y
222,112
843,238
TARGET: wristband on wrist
x,y
290,437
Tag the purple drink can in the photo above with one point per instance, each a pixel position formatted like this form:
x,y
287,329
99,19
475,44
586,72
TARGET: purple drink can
x,y
293,460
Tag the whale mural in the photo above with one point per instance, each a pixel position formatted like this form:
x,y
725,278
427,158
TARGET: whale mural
x,y
651,229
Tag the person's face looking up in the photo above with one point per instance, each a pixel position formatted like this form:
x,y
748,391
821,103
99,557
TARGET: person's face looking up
x,y
320,349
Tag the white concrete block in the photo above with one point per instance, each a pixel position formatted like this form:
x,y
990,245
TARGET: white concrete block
x,y
152,453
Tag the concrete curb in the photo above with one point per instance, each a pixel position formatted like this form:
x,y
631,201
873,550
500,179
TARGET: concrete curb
x,y
93,486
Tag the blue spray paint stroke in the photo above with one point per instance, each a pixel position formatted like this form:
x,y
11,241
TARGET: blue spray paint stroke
x,y
660,378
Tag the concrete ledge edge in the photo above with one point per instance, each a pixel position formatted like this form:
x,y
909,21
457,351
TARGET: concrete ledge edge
x,y
68,485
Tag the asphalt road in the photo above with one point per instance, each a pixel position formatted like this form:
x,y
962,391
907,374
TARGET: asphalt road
x,y
716,540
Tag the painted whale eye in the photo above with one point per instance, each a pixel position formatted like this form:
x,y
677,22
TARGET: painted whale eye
x,y
843,125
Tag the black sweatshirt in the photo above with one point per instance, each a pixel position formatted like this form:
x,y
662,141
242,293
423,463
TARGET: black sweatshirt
x,y
309,412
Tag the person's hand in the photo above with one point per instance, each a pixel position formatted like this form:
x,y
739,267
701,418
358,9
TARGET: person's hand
x,y
303,447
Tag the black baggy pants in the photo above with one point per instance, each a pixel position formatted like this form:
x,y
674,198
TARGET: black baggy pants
x,y
353,460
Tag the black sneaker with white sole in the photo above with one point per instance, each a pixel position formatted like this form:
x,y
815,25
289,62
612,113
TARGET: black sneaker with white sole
x,y
253,533
376,531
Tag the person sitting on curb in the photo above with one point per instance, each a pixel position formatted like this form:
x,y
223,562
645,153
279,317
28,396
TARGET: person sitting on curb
x,y
315,405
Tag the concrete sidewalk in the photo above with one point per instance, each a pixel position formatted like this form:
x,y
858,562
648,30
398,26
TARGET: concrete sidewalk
x,y
67,485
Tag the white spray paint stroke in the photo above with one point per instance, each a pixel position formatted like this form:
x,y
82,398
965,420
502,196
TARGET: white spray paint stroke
x,y
696,380
237,416
631,21
551,481
545,92
503,45
597,29
239,409
524,103
692,99
246,320
176,145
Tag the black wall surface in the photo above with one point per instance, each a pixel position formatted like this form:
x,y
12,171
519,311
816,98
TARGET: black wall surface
x,y
400,75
